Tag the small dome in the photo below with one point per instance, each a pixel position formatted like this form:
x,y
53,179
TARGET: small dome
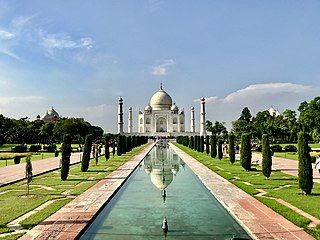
x,y
273,112
174,107
202,99
148,108
53,112
161,179
161,100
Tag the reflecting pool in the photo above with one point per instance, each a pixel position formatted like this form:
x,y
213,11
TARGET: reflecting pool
x,y
163,186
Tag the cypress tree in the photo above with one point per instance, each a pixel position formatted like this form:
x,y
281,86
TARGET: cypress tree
x,y
124,144
119,145
86,153
199,144
196,143
232,150
207,145
65,156
220,150
213,143
191,145
202,144
107,149
113,148
266,156
29,173
245,151
305,167
129,143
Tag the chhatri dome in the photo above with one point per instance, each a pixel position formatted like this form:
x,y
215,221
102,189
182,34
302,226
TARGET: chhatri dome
x,y
161,100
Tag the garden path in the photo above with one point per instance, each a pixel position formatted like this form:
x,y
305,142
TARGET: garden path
x,y
287,166
15,173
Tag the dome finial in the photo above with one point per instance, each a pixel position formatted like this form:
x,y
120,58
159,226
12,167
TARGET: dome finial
x,y
161,86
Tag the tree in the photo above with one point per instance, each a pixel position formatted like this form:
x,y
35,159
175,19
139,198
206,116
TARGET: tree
x,y
86,153
113,148
119,145
213,143
202,144
220,151
217,128
196,143
29,174
65,156
191,142
106,148
245,151
245,114
266,156
232,150
207,145
239,127
305,166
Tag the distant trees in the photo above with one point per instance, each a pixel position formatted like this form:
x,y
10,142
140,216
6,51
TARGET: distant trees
x,y
65,156
266,156
305,173
232,150
245,151
86,153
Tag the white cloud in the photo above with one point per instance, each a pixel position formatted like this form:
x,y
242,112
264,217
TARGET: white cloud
x,y
10,54
5,35
64,41
257,97
161,69
4,101
21,21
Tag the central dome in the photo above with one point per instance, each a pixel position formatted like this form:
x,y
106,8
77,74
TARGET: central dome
x,y
161,100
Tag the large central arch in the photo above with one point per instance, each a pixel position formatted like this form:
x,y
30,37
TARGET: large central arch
x,y
161,124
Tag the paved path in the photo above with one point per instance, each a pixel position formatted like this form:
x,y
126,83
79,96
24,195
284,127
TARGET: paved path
x,y
15,173
72,219
259,220
287,166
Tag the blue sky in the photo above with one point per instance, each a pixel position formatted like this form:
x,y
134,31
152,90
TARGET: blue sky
x,y
80,56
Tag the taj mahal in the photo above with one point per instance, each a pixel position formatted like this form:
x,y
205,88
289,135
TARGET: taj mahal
x,y
162,117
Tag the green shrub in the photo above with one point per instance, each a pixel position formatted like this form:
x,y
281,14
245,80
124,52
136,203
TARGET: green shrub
x,y
290,148
305,166
20,148
232,150
276,148
50,148
213,143
65,156
245,151
56,153
17,159
86,153
266,156
34,148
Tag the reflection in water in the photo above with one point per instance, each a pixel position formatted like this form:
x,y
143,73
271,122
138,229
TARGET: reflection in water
x,y
162,165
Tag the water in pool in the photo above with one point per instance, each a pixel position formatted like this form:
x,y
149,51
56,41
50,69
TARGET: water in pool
x,y
163,186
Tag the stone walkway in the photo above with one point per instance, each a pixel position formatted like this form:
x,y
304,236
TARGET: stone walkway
x,y
259,220
15,173
287,166
72,219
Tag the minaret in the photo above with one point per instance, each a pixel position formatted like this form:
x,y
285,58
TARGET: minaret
x,y
203,117
193,127
120,116
130,120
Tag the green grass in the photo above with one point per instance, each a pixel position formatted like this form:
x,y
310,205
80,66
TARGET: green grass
x,y
293,195
38,217
14,202
312,145
288,155
35,156
12,237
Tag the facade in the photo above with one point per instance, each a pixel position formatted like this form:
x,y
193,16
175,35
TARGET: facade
x,y
161,115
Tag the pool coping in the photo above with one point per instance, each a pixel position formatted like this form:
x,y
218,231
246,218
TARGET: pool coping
x,y
256,218
74,218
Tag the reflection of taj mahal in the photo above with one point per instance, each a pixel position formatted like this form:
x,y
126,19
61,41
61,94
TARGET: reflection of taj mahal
x,y
162,117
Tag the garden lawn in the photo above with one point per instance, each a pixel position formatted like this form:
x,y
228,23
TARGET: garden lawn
x,y
288,155
279,185
15,203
